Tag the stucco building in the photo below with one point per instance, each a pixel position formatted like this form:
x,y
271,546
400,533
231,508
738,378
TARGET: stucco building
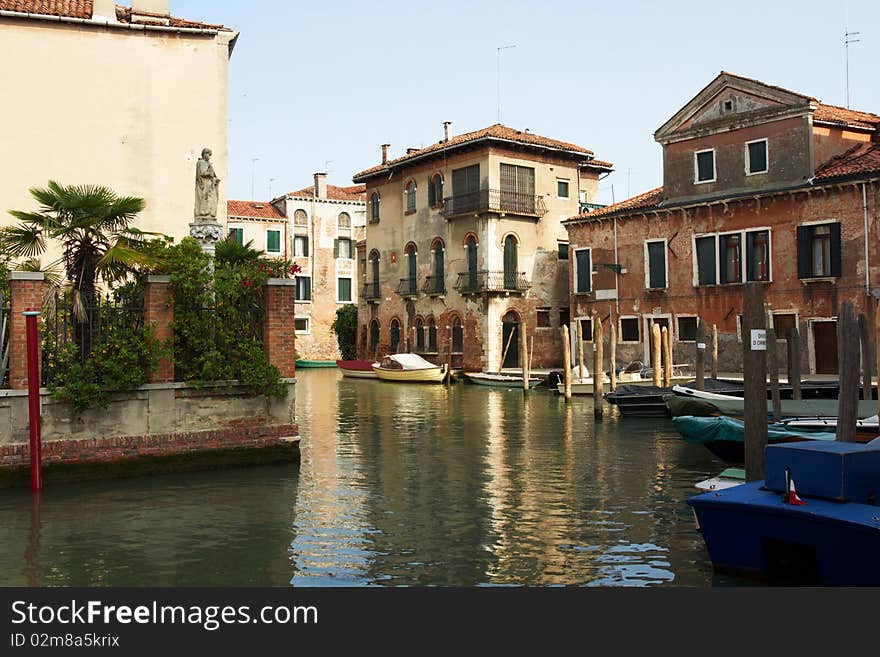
x,y
324,224
261,224
124,97
759,184
464,244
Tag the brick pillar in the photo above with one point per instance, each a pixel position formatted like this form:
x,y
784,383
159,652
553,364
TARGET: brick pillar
x,y
279,339
25,291
159,312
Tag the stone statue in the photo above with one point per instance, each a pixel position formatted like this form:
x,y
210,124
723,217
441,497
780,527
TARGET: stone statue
x,y
207,188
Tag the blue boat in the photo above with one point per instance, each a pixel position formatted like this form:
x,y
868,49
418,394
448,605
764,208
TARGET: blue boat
x,y
832,538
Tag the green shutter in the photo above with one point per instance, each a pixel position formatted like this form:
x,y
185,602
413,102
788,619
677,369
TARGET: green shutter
x,y
835,249
804,259
584,268
273,241
336,248
656,265
706,260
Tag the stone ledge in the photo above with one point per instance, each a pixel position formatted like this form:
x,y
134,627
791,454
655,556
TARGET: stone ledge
x,y
288,282
25,276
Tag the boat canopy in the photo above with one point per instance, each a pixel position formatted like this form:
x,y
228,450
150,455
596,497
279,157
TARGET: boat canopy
x,y
407,362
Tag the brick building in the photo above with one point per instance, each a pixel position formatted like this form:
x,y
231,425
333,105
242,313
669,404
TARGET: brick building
x,y
464,242
760,184
324,224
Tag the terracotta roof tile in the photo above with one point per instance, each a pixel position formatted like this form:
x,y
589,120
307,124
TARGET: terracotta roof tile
x,y
85,8
645,201
844,116
863,159
497,131
253,210
334,193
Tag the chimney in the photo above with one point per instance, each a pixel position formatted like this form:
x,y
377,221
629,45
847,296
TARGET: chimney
x,y
410,151
320,185
385,148
104,10
446,125
151,11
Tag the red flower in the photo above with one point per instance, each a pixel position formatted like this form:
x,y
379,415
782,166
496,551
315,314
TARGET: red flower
x,y
295,269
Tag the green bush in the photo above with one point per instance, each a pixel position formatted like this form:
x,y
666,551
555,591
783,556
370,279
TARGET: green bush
x,y
345,327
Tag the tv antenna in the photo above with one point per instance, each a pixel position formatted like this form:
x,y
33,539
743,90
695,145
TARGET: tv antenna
x,y
499,77
847,39
254,161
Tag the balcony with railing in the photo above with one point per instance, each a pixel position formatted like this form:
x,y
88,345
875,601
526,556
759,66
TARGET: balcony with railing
x,y
371,292
493,282
408,287
493,200
434,286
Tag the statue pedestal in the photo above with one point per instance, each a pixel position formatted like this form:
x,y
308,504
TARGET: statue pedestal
x,y
208,232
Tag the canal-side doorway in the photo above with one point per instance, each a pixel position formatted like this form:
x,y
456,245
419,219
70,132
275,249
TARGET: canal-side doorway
x,y
663,321
825,346
510,340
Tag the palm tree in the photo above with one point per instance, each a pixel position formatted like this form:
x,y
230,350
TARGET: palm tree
x,y
93,227
230,252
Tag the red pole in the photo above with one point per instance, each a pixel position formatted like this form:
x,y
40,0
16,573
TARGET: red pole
x,y
33,366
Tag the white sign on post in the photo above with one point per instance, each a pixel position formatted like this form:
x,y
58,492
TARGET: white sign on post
x,y
701,345
759,340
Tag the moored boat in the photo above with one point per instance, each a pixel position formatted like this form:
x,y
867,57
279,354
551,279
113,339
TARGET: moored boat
x,y
308,364
408,368
357,369
803,408
499,380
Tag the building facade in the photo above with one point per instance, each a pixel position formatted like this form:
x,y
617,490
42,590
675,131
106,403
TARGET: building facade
x,y
136,94
260,224
760,184
325,222
464,245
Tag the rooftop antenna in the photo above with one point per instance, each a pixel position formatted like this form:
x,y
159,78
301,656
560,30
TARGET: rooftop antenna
x,y
499,77
254,161
847,39
271,180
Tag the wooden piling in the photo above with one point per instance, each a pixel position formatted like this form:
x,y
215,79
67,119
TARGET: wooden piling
x,y
504,353
754,381
773,368
566,361
598,369
700,344
714,351
612,347
867,360
848,358
794,367
580,343
666,351
449,360
524,348
877,350
655,353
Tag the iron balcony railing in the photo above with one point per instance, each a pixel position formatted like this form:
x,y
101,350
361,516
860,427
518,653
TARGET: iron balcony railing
x,y
371,291
434,285
408,287
477,282
494,200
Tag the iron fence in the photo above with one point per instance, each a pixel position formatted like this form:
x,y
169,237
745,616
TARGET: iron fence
x,y
476,282
371,291
4,341
494,200
434,285
85,322
408,287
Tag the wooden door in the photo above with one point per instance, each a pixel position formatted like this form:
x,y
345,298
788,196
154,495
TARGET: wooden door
x,y
825,346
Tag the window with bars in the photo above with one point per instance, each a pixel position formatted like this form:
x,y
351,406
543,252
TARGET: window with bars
x,y
687,329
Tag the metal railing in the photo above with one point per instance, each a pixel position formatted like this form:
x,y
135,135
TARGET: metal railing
x,y
4,341
88,324
371,291
434,285
492,281
494,200
408,287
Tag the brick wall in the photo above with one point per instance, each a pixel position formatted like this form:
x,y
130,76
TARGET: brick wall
x,y
279,337
159,313
26,291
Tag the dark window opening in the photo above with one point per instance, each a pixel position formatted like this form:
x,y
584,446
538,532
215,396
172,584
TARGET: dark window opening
x,y
656,265
705,166
543,317
586,329
563,250
629,329
757,157
687,329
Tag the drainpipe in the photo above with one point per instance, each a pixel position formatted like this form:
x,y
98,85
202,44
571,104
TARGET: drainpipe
x,y
867,260
616,271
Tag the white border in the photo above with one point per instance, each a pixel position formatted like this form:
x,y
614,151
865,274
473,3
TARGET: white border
x,y
748,159
620,339
574,268
280,250
308,241
350,289
697,168
308,330
743,232
568,182
648,265
678,328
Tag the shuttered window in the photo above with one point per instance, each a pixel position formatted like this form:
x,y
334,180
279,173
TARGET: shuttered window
x,y
301,246
517,188
344,291
704,166
756,156
466,180
237,235
730,248
303,288
583,271
819,250
273,241
563,250
706,260
758,255
657,265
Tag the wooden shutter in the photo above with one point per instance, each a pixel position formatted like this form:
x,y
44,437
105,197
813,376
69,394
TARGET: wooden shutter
x,y
336,248
706,260
657,264
584,267
835,249
804,255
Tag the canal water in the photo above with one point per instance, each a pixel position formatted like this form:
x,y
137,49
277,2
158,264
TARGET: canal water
x,y
399,484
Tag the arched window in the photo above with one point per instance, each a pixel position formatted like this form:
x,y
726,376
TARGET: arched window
x,y
372,287
438,279
411,284
300,234
342,247
395,336
457,336
471,244
411,196
374,207
435,191
374,336
420,335
510,262
432,336
510,339
300,218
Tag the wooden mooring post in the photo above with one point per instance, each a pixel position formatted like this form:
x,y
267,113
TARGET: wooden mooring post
x,y
598,369
666,350
700,343
877,350
655,354
754,379
612,353
524,347
773,368
566,362
714,351
867,361
849,365
580,343
449,359
794,365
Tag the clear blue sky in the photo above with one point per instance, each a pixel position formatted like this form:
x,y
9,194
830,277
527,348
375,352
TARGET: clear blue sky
x,y
312,82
